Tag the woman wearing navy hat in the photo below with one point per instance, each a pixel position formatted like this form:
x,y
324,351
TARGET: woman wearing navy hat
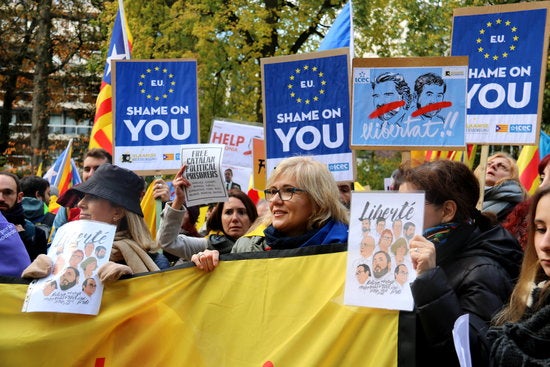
x,y
112,195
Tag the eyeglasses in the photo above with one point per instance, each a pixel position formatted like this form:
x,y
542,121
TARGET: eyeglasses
x,y
286,193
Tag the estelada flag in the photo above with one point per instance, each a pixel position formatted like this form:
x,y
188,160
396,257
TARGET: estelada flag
x,y
63,174
119,49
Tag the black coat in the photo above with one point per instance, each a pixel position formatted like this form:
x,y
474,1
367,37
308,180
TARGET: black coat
x,y
476,271
525,343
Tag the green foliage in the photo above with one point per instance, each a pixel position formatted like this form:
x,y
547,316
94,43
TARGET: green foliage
x,y
374,166
229,38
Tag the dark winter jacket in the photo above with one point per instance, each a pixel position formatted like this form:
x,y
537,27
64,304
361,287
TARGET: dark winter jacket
x,y
475,274
525,343
34,238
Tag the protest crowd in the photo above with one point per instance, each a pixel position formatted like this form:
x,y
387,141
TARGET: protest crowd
x,y
465,260
477,247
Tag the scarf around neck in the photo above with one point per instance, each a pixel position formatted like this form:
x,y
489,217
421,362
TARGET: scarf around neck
x,y
439,234
331,232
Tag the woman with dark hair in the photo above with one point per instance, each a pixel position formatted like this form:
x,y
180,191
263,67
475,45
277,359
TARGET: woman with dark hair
x,y
228,221
521,335
465,263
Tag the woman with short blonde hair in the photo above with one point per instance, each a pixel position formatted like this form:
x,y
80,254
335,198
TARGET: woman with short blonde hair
x,y
503,190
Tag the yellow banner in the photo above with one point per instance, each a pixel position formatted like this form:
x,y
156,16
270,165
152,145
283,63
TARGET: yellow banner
x,y
260,312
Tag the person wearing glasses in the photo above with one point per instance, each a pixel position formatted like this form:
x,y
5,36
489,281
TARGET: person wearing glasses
x,y
305,210
465,263
228,221
89,286
503,190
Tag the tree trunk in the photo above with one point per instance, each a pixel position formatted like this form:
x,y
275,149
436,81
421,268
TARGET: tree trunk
x,y
40,114
9,86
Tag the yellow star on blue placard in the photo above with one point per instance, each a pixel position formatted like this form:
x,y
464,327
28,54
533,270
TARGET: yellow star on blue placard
x,y
497,39
306,84
156,84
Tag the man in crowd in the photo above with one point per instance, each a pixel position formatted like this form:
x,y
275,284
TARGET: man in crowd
x,y
229,184
36,198
34,238
345,188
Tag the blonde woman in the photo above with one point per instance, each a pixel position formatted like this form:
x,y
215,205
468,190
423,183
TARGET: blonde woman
x,y
304,210
503,190
112,195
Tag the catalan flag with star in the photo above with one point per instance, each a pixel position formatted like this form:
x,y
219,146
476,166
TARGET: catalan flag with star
x,y
119,49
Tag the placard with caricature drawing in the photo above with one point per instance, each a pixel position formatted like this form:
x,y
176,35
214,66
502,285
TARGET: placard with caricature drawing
x,y
78,250
379,268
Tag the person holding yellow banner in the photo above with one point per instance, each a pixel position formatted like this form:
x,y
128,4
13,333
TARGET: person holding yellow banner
x,y
112,195
305,211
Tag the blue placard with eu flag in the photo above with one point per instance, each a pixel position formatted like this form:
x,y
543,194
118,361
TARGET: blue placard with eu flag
x,y
156,112
507,47
306,109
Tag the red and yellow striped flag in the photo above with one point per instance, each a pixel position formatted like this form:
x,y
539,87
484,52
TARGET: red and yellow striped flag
x,y
119,49
467,156
528,163
149,209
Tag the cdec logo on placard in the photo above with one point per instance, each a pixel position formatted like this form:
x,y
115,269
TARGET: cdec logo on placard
x,y
521,128
362,78
336,167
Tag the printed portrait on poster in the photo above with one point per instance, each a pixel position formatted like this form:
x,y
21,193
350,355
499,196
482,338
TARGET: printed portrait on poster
x,y
379,268
396,106
78,250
